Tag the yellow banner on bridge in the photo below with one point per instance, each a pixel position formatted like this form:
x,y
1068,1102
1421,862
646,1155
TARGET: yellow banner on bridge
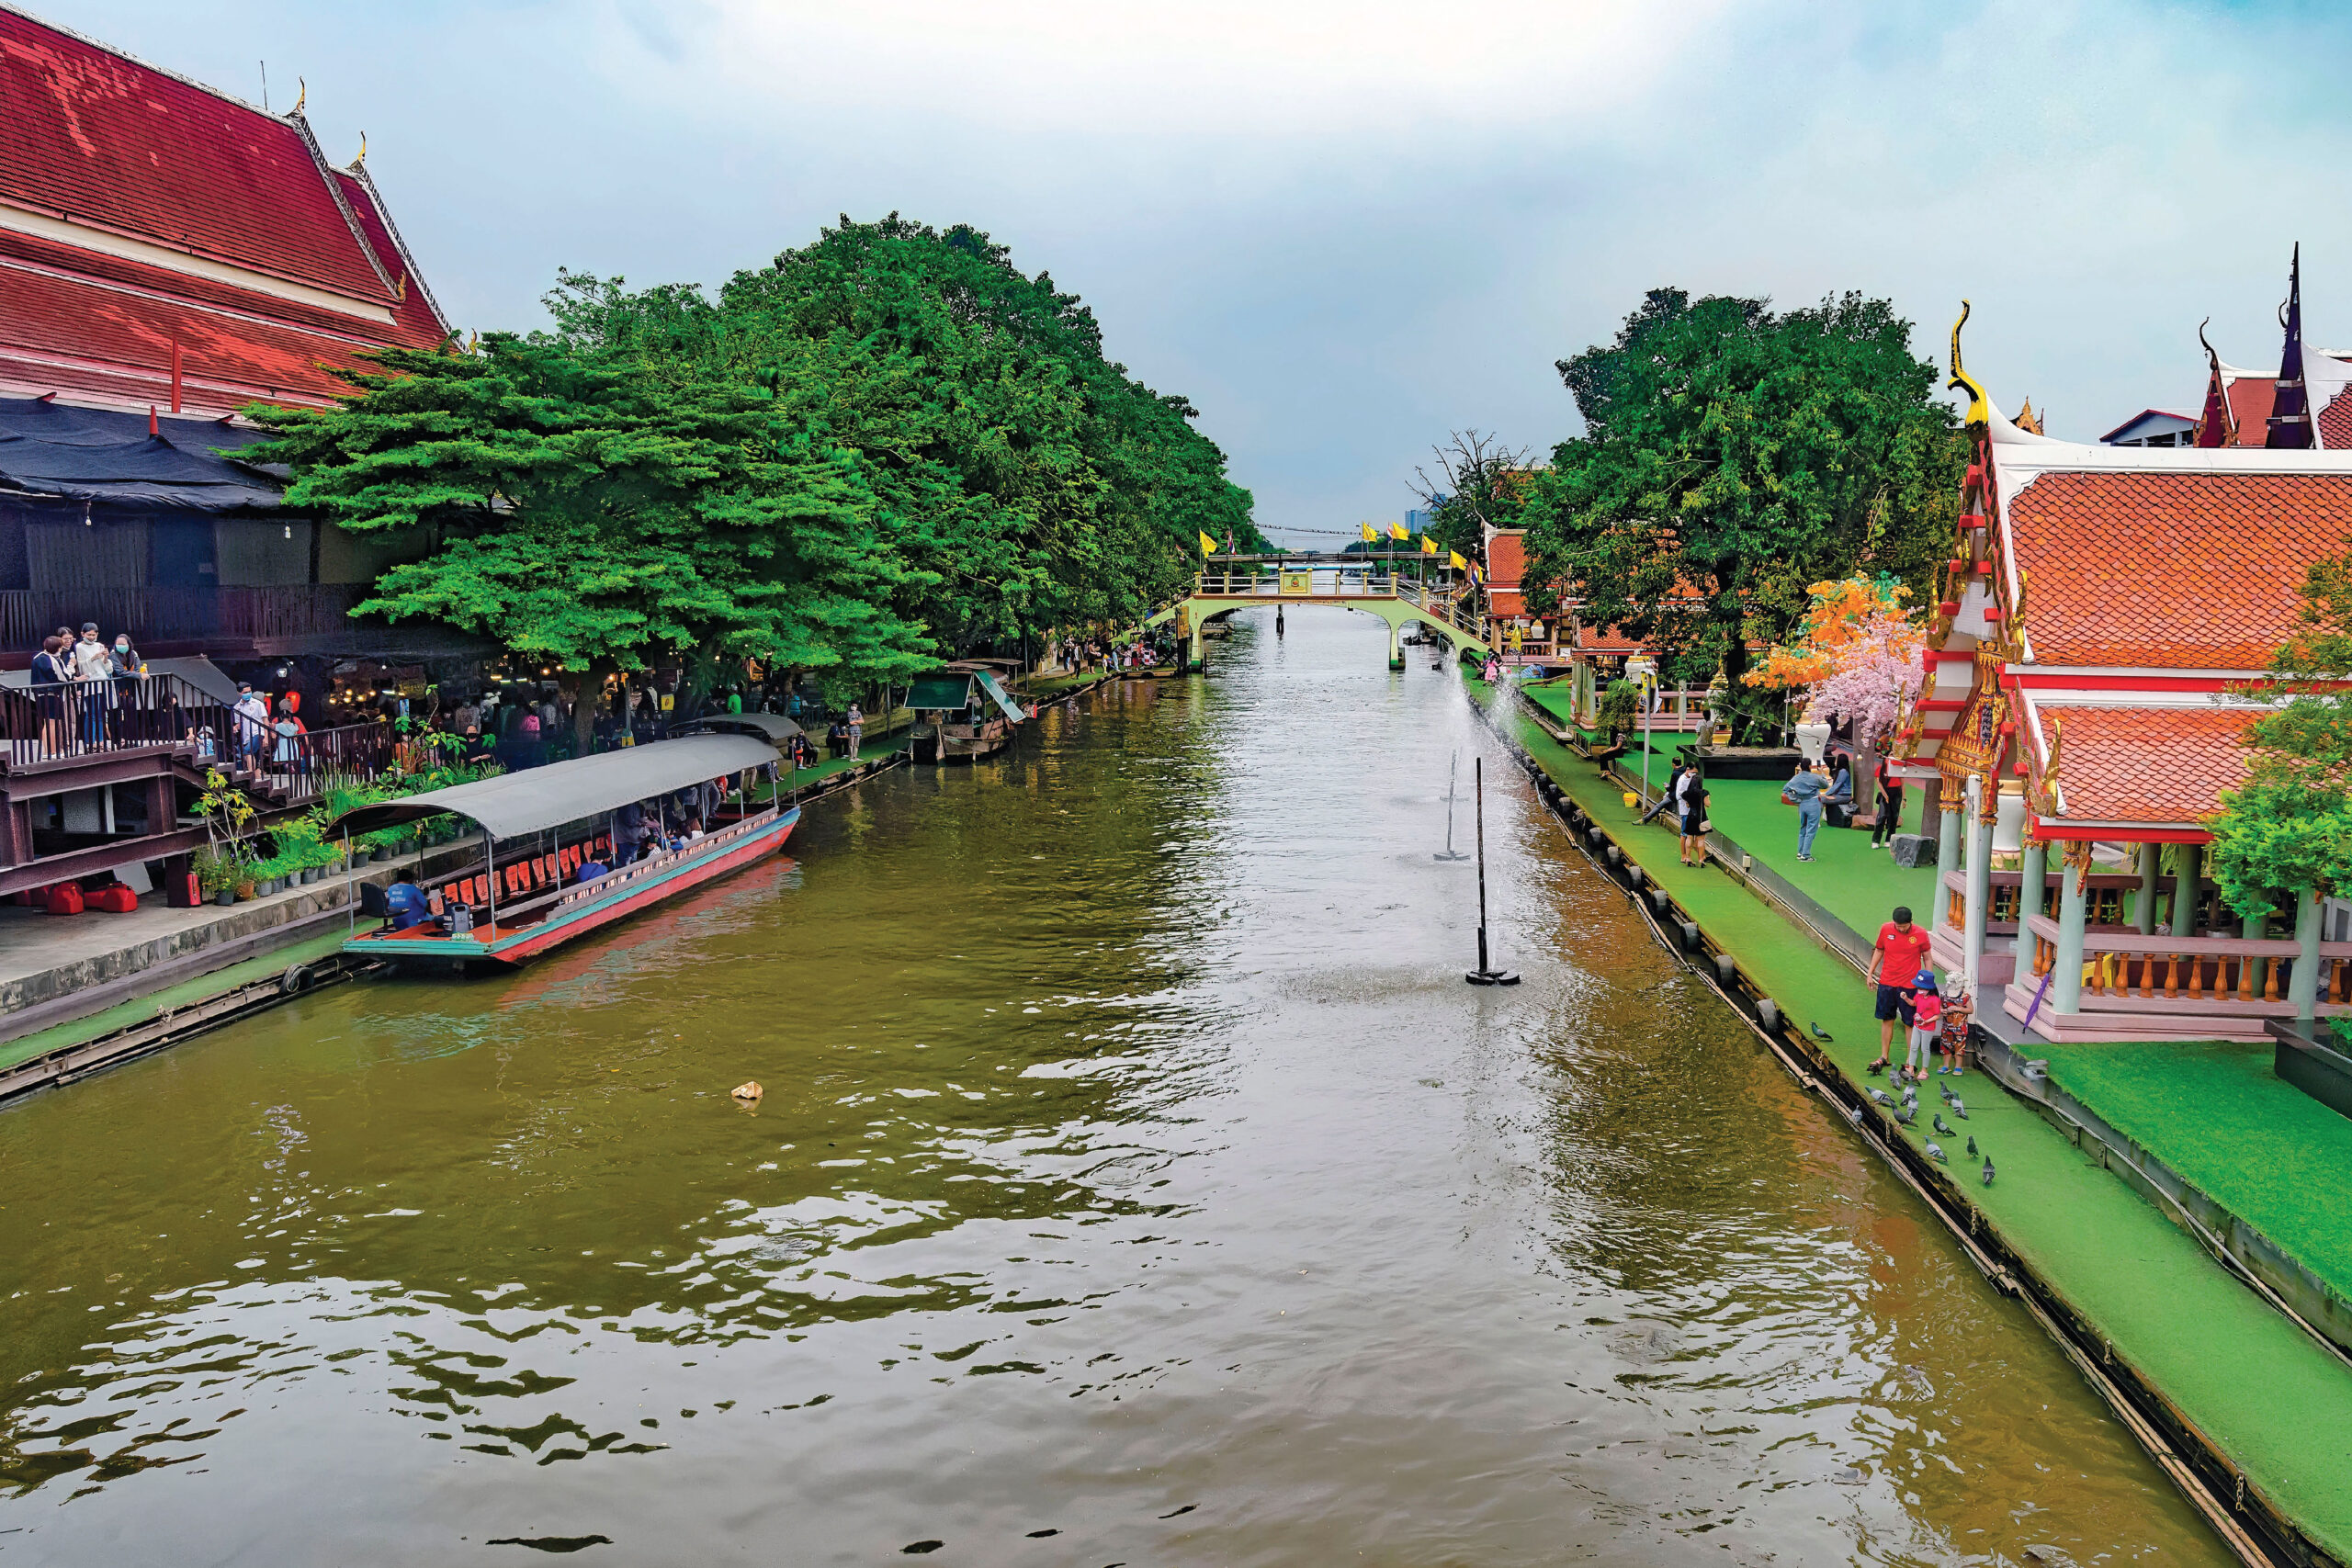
x,y
1298,581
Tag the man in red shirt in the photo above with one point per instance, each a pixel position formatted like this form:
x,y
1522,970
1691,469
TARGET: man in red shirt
x,y
1901,953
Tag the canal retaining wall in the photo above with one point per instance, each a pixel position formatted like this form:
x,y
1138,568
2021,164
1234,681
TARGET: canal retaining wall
x,y
2248,1413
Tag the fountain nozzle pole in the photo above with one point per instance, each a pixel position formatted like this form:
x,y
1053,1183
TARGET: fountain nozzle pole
x,y
1484,975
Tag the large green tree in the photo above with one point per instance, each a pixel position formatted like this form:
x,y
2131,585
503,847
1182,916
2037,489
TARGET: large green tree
x,y
1028,482
1733,456
575,510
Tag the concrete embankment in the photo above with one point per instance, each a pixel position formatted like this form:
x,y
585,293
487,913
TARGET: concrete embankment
x,y
2251,1415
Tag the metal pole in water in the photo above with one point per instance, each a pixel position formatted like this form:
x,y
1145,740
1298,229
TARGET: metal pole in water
x,y
1483,974
1452,768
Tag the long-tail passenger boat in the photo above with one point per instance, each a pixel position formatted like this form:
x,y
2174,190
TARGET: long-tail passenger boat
x,y
541,826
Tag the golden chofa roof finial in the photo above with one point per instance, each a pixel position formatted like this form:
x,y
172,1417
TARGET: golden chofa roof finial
x,y
363,151
302,96
1980,406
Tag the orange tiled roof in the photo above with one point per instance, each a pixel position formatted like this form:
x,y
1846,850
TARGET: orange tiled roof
x,y
2176,570
1506,559
2336,422
2250,398
2147,765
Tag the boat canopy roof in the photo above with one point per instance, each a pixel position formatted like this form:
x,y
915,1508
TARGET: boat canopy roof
x,y
539,798
952,688
774,727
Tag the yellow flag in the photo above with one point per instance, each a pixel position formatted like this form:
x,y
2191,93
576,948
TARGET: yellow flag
x,y
1429,546
1368,534
1397,530
1208,545
1455,558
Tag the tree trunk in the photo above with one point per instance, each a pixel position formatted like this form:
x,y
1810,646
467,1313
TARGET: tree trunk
x,y
1737,697
591,696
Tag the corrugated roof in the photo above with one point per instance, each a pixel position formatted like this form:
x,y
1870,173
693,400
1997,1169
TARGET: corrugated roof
x,y
95,137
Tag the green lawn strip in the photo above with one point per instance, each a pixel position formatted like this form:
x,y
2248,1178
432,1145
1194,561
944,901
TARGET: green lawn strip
x,y
2279,1406
1858,885
2219,1115
140,1009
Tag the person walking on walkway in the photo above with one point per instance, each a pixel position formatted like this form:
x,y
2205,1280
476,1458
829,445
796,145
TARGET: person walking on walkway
x,y
1693,807
1896,962
1888,819
1804,792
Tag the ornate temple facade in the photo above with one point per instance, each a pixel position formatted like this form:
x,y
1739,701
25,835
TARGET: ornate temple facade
x,y
2106,622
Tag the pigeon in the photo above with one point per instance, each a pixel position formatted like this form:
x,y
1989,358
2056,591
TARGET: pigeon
x,y
1945,1089
1942,1127
1988,1170
1958,1108
1883,1098
1819,1033
1936,1153
1906,1114
1972,1145
1876,1068
1911,1098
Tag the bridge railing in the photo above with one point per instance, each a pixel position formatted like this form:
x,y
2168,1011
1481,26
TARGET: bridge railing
x,y
1324,583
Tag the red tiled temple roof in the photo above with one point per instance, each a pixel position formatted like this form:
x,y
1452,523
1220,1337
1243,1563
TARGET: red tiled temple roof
x,y
2181,570
417,324
103,141
58,329
1506,559
2156,766
2336,422
2250,401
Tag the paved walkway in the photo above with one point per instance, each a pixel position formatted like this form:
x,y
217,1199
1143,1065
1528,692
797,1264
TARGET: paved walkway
x,y
2277,1403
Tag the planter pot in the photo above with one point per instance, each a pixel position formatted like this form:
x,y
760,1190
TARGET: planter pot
x,y
361,857
227,895
270,887
309,874
245,891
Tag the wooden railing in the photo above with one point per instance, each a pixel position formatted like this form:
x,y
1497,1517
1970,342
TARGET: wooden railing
x,y
2204,972
159,614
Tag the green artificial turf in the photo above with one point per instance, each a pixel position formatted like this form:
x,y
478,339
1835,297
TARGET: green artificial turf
x,y
1860,884
2277,1403
2219,1116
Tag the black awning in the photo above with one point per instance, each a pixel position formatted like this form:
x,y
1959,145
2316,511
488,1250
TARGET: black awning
x,y
100,456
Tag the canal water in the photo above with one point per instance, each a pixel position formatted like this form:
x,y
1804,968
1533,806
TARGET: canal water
x,y
1136,1182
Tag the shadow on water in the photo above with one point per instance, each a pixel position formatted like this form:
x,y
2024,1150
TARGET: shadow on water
x,y
1135,1181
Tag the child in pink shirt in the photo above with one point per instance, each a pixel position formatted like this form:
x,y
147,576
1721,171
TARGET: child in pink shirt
x,y
1927,1024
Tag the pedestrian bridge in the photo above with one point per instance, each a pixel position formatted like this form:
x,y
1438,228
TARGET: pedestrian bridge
x,y
1372,584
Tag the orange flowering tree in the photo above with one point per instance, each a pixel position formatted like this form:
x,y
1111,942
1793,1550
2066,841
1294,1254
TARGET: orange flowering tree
x,y
1856,655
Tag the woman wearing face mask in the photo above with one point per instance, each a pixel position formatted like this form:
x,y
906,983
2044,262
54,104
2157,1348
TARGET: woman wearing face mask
x,y
129,708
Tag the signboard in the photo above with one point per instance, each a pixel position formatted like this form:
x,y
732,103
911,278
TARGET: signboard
x,y
1298,581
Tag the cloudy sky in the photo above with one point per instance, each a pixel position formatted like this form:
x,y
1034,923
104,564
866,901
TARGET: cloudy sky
x,y
1343,228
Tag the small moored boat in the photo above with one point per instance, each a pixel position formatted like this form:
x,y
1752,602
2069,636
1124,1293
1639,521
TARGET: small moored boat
x,y
961,713
542,826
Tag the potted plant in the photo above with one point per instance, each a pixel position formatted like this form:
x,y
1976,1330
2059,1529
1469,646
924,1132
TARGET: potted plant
x,y
216,875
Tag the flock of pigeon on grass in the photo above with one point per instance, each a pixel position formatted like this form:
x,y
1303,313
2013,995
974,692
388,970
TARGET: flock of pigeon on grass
x,y
1906,1110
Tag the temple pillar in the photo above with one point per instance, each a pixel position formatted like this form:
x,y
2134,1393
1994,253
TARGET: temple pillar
x,y
2254,928
1395,645
2066,972
1980,884
2303,986
2030,876
2187,890
2143,910
1946,847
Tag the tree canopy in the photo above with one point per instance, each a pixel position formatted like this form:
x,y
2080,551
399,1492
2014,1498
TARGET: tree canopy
x,y
1733,457
2289,825
885,446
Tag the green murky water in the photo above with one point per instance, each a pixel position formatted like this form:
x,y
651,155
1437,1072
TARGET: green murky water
x,y
1136,1182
